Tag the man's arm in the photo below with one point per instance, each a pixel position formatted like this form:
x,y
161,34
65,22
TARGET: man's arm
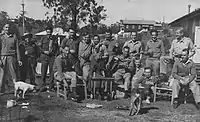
x,y
191,49
17,49
171,50
162,48
131,66
175,71
125,44
147,48
192,74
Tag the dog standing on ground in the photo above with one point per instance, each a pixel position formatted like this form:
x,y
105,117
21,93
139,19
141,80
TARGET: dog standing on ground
x,y
22,86
137,96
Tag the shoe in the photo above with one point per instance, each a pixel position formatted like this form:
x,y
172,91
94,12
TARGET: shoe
x,y
175,103
147,102
109,96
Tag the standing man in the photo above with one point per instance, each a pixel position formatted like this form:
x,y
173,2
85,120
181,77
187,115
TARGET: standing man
x,y
154,49
177,47
109,42
29,53
184,73
73,43
134,45
85,51
48,46
9,56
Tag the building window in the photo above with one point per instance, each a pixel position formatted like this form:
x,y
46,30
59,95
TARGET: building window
x,y
126,26
133,26
139,27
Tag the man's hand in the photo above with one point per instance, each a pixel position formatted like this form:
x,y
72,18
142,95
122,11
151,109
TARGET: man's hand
x,y
26,52
46,52
107,65
20,63
72,51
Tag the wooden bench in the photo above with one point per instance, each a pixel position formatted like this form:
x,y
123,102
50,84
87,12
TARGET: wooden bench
x,y
99,79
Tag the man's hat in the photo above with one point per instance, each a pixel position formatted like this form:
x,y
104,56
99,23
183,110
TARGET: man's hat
x,y
27,35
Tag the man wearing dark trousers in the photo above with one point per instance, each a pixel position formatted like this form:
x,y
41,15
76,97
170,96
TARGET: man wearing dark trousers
x,y
48,46
29,53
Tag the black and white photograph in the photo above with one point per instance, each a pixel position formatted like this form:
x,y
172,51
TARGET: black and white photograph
x,y
99,60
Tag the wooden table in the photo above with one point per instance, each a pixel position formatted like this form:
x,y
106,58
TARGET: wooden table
x,y
99,79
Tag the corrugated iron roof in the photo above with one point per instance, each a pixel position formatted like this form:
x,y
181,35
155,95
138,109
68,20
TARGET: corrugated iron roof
x,y
197,11
139,22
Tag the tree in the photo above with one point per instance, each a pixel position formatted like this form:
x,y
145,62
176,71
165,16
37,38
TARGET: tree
x,y
77,11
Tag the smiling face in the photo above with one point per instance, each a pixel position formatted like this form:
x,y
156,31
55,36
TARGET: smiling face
x,y
154,36
96,40
71,33
6,28
179,34
133,36
147,73
184,56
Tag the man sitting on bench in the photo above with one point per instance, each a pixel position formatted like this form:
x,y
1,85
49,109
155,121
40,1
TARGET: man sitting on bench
x,y
184,73
125,69
63,70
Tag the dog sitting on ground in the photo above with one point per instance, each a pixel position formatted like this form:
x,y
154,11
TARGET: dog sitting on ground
x,y
137,96
20,85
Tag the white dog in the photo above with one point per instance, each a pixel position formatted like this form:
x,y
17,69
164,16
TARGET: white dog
x,y
22,86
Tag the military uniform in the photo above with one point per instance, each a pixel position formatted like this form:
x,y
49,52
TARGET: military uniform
x,y
29,53
48,44
9,57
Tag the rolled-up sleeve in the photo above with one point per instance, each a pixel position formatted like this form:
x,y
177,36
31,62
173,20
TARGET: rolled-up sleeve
x,y
175,71
193,73
191,48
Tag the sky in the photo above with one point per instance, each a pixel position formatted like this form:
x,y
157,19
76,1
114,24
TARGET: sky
x,y
158,10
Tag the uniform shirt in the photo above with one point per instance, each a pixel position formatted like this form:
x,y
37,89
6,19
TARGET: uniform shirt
x,y
85,51
9,45
71,43
62,65
48,44
30,48
99,51
139,72
156,48
126,63
110,45
135,47
184,69
178,45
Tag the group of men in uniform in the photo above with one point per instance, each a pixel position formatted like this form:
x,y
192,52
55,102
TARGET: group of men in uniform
x,y
86,56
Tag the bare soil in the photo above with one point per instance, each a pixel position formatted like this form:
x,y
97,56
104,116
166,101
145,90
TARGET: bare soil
x,y
54,109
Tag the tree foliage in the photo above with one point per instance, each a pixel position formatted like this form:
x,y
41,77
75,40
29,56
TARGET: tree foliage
x,y
77,11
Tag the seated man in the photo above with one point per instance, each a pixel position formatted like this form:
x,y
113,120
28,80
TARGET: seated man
x,y
146,81
184,73
139,72
126,67
63,70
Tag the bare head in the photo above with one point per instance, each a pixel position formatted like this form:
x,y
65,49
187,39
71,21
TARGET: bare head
x,y
179,33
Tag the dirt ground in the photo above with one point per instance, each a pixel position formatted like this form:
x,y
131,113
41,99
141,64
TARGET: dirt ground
x,y
54,109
